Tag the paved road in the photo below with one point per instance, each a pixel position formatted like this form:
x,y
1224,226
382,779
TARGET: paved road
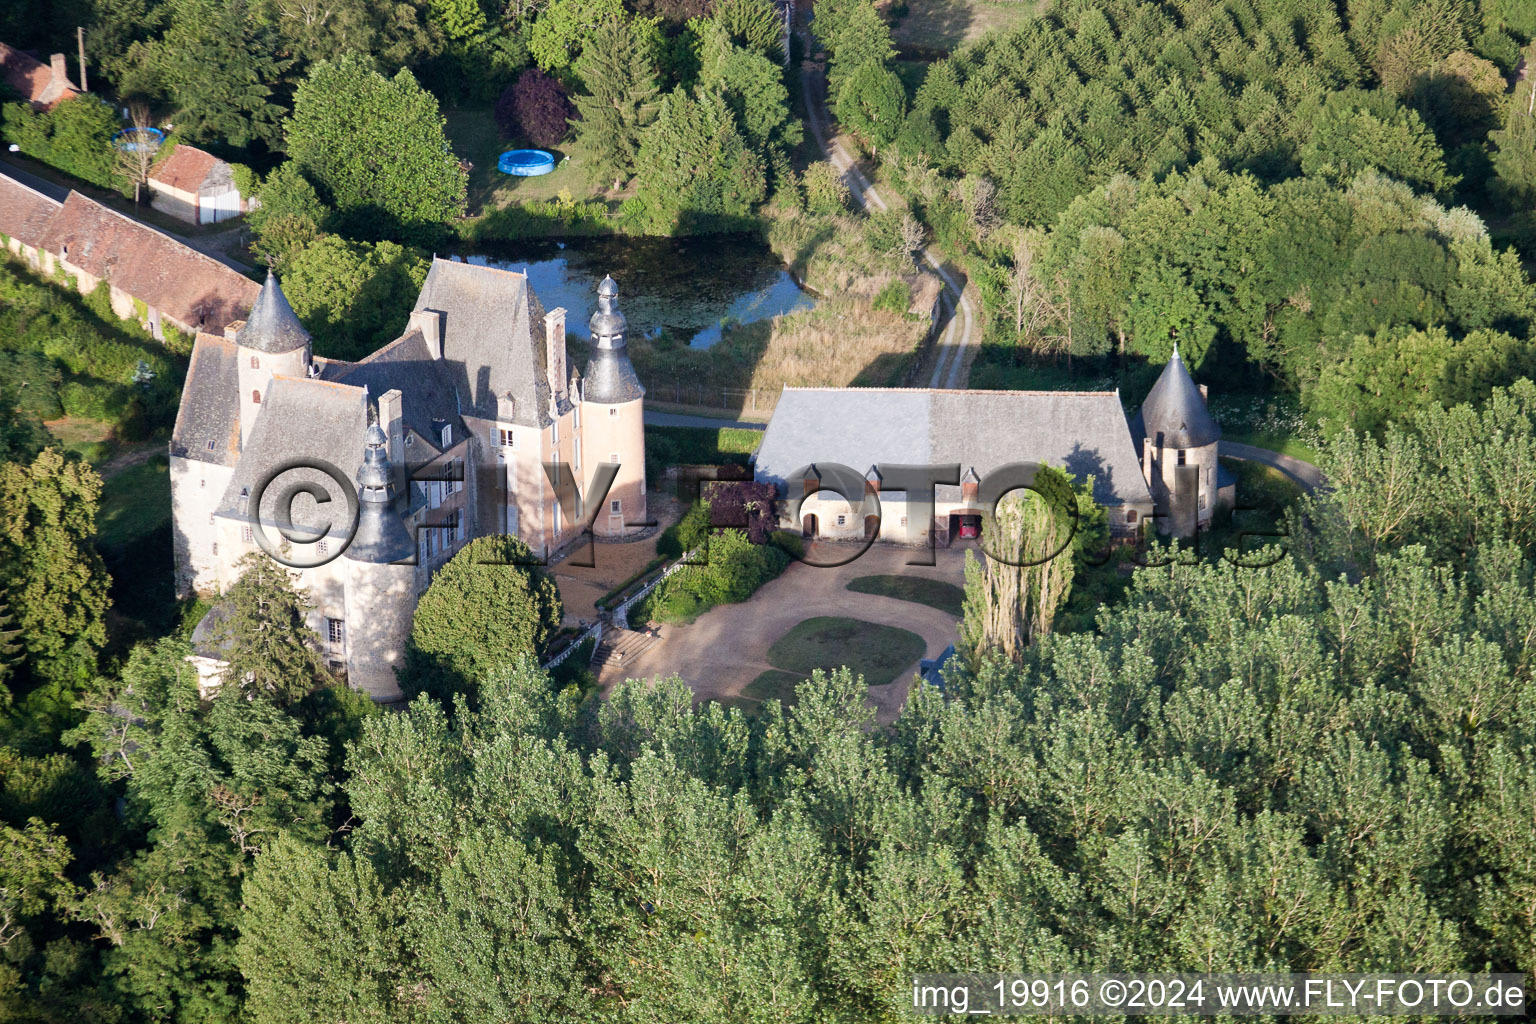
x,y
56,191
1304,473
677,419
954,351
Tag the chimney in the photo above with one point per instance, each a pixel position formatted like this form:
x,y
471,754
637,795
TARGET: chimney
x,y
1204,394
60,71
391,420
554,350
430,323
232,328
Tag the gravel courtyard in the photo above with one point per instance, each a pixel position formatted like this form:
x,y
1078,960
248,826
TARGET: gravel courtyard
x,y
727,647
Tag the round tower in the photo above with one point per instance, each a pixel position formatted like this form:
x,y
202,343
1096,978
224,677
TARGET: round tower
x,y
1179,451
380,584
272,342
613,415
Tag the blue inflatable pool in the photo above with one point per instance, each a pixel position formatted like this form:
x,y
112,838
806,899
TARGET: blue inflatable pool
x,y
526,163
128,139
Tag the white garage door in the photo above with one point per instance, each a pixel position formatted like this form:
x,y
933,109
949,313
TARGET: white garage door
x,y
219,207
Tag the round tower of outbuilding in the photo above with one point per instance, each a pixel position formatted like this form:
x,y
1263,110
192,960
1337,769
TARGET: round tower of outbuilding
x,y
1180,441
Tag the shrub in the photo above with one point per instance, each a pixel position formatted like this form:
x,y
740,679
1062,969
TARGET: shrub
x,y
685,534
489,605
75,137
825,191
895,297
535,106
733,571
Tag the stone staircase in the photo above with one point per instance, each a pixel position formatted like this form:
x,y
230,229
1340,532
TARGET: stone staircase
x,y
621,647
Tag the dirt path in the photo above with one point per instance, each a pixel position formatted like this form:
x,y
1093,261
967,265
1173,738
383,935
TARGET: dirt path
x,y
955,350
727,647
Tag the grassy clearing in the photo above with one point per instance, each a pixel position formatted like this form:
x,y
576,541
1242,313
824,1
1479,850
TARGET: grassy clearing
x,y
134,504
841,342
875,652
133,533
940,26
946,597
474,136
90,439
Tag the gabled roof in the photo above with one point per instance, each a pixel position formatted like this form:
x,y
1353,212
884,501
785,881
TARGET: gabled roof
x,y
425,384
1174,413
35,80
208,421
179,281
272,326
25,212
1083,432
303,424
493,340
189,169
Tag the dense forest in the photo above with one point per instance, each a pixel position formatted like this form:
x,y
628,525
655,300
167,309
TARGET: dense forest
x,y
1323,761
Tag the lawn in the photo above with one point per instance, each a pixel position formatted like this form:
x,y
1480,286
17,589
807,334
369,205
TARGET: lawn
x,y
939,26
133,533
89,439
868,649
134,504
681,446
774,684
474,136
946,597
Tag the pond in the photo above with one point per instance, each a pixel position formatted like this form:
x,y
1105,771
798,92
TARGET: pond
x,y
690,287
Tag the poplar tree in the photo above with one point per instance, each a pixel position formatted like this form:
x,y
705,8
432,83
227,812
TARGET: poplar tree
x,y
620,100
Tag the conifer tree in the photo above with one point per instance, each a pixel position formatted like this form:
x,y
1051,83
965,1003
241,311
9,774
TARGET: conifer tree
x,y
269,647
620,100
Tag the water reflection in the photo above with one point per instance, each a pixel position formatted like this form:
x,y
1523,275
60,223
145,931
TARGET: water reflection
x,y
690,287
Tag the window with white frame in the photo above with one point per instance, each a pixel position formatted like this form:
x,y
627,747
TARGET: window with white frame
x,y
578,454
613,457
322,548
215,547
616,506
842,520
554,432
447,435
508,438
613,410
245,535
336,629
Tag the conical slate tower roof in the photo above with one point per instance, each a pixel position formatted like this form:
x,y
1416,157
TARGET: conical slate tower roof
x,y
381,537
611,378
273,327
1174,412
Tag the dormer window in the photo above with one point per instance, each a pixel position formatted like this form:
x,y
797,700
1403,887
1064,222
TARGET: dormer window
x,y
447,434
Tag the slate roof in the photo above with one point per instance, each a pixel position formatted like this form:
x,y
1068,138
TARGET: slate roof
x,y
210,404
1083,432
425,384
493,340
25,212
272,325
1175,410
610,377
33,79
179,281
190,169
302,423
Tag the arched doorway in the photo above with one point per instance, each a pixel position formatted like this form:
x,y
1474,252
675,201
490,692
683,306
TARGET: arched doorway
x,y
808,525
871,526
